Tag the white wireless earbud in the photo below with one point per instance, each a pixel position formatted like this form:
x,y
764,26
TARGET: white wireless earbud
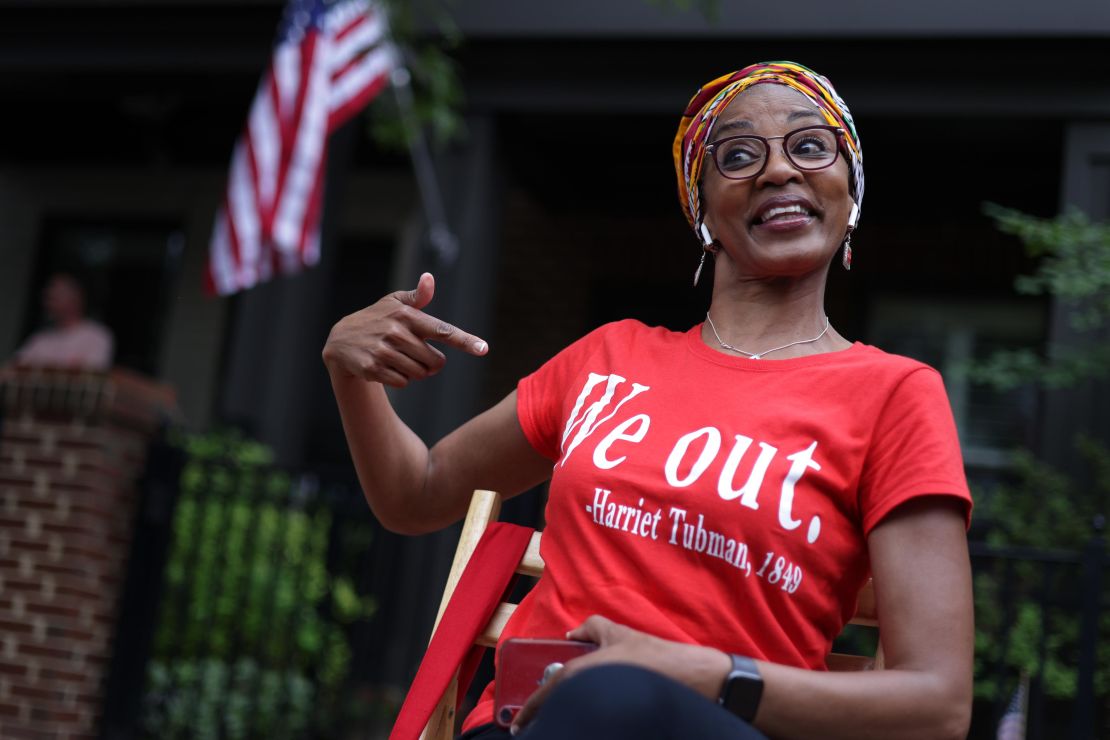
x,y
853,217
706,239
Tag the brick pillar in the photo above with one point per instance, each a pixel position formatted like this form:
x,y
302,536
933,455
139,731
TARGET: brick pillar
x,y
71,448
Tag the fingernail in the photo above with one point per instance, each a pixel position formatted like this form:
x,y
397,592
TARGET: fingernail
x,y
568,635
480,347
514,729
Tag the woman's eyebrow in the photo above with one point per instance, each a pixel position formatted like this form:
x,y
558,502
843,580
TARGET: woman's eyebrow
x,y
739,123
746,125
804,113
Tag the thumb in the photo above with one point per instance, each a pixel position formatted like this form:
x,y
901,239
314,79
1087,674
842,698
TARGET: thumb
x,y
420,296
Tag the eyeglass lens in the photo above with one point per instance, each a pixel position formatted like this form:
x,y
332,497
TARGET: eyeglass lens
x,y
807,149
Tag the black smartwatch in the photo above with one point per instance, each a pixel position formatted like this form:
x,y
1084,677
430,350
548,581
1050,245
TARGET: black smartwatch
x,y
742,689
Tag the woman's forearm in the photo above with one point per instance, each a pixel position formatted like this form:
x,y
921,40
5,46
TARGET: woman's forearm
x,y
899,703
389,343
854,705
413,489
922,578
391,460
930,701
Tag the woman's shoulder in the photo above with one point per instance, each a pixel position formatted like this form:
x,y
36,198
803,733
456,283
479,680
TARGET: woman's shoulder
x,y
627,338
879,360
897,376
632,330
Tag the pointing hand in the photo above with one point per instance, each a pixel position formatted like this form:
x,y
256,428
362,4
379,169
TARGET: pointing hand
x,y
388,342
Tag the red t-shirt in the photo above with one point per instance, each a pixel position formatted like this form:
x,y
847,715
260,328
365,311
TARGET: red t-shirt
x,y
718,500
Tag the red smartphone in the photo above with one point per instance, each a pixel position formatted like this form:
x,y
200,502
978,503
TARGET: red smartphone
x,y
521,667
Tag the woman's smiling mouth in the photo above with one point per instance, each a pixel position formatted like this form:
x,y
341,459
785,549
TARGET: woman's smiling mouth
x,y
784,213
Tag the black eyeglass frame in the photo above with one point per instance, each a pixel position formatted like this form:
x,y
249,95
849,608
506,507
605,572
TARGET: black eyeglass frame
x,y
711,150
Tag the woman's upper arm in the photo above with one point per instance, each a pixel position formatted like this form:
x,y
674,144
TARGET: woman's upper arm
x,y
919,560
490,451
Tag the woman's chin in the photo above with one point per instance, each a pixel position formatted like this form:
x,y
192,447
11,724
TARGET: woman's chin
x,y
794,263
784,257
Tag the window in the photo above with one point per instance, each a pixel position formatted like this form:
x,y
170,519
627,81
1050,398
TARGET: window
x,y
946,334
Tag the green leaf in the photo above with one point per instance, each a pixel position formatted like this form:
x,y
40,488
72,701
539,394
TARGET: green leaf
x,y
1074,268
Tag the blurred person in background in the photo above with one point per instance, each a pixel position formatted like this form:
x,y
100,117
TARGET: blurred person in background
x,y
72,340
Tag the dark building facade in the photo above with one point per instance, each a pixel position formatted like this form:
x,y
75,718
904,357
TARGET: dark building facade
x,y
121,117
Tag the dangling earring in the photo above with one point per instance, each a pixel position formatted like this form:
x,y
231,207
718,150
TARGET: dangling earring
x,y
846,255
708,245
697,272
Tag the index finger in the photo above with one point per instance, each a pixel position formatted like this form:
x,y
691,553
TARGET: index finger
x,y
428,327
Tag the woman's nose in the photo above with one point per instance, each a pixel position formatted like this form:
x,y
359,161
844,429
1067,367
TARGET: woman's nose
x,y
779,168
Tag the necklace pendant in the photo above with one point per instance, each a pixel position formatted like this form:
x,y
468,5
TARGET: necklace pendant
x,y
757,357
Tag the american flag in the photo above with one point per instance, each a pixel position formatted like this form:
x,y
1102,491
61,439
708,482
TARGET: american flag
x,y
1012,724
329,59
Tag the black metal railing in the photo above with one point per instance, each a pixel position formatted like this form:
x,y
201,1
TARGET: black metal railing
x,y
1043,613
267,597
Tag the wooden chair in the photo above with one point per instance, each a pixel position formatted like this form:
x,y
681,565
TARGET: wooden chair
x,y
485,506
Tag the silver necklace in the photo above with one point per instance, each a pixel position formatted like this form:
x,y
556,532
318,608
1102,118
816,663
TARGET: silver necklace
x,y
760,355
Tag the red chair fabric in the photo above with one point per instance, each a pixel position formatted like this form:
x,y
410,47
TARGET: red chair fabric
x,y
484,584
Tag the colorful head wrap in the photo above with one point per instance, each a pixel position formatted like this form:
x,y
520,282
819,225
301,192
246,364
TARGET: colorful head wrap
x,y
712,99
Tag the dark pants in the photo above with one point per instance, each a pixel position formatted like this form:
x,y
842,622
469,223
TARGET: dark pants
x,y
618,701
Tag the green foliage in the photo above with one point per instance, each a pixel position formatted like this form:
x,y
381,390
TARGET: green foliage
x,y
252,620
204,699
1074,267
1076,260
225,445
436,87
1041,506
1006,370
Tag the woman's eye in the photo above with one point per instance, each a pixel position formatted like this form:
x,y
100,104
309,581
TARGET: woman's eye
x,y
811,145
738,155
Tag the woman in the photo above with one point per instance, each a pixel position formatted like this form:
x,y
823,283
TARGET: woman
x,y
718,496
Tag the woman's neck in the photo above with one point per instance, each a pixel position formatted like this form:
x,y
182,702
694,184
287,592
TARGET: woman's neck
x,y
781,318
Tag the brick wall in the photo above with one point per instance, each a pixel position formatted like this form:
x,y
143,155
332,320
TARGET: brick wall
x,y
71,448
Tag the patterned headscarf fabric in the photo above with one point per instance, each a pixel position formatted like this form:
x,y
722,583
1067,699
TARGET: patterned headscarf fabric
x,y
712,99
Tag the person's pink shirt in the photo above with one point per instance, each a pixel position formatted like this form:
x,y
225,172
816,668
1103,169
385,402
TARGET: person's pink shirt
x,y
86,344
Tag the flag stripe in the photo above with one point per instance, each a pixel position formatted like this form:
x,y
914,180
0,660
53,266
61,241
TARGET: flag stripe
x,y
307,156
359,85
358,36
263,141
293,131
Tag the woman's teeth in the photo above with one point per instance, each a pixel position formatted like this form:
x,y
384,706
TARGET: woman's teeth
x,y
783,211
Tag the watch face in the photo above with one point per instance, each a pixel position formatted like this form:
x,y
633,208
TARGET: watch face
x,y
743,688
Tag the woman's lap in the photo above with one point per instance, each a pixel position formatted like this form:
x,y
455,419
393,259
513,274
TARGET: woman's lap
x,y
621,701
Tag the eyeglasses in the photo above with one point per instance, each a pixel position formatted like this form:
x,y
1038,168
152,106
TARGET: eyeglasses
x,y
744,157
